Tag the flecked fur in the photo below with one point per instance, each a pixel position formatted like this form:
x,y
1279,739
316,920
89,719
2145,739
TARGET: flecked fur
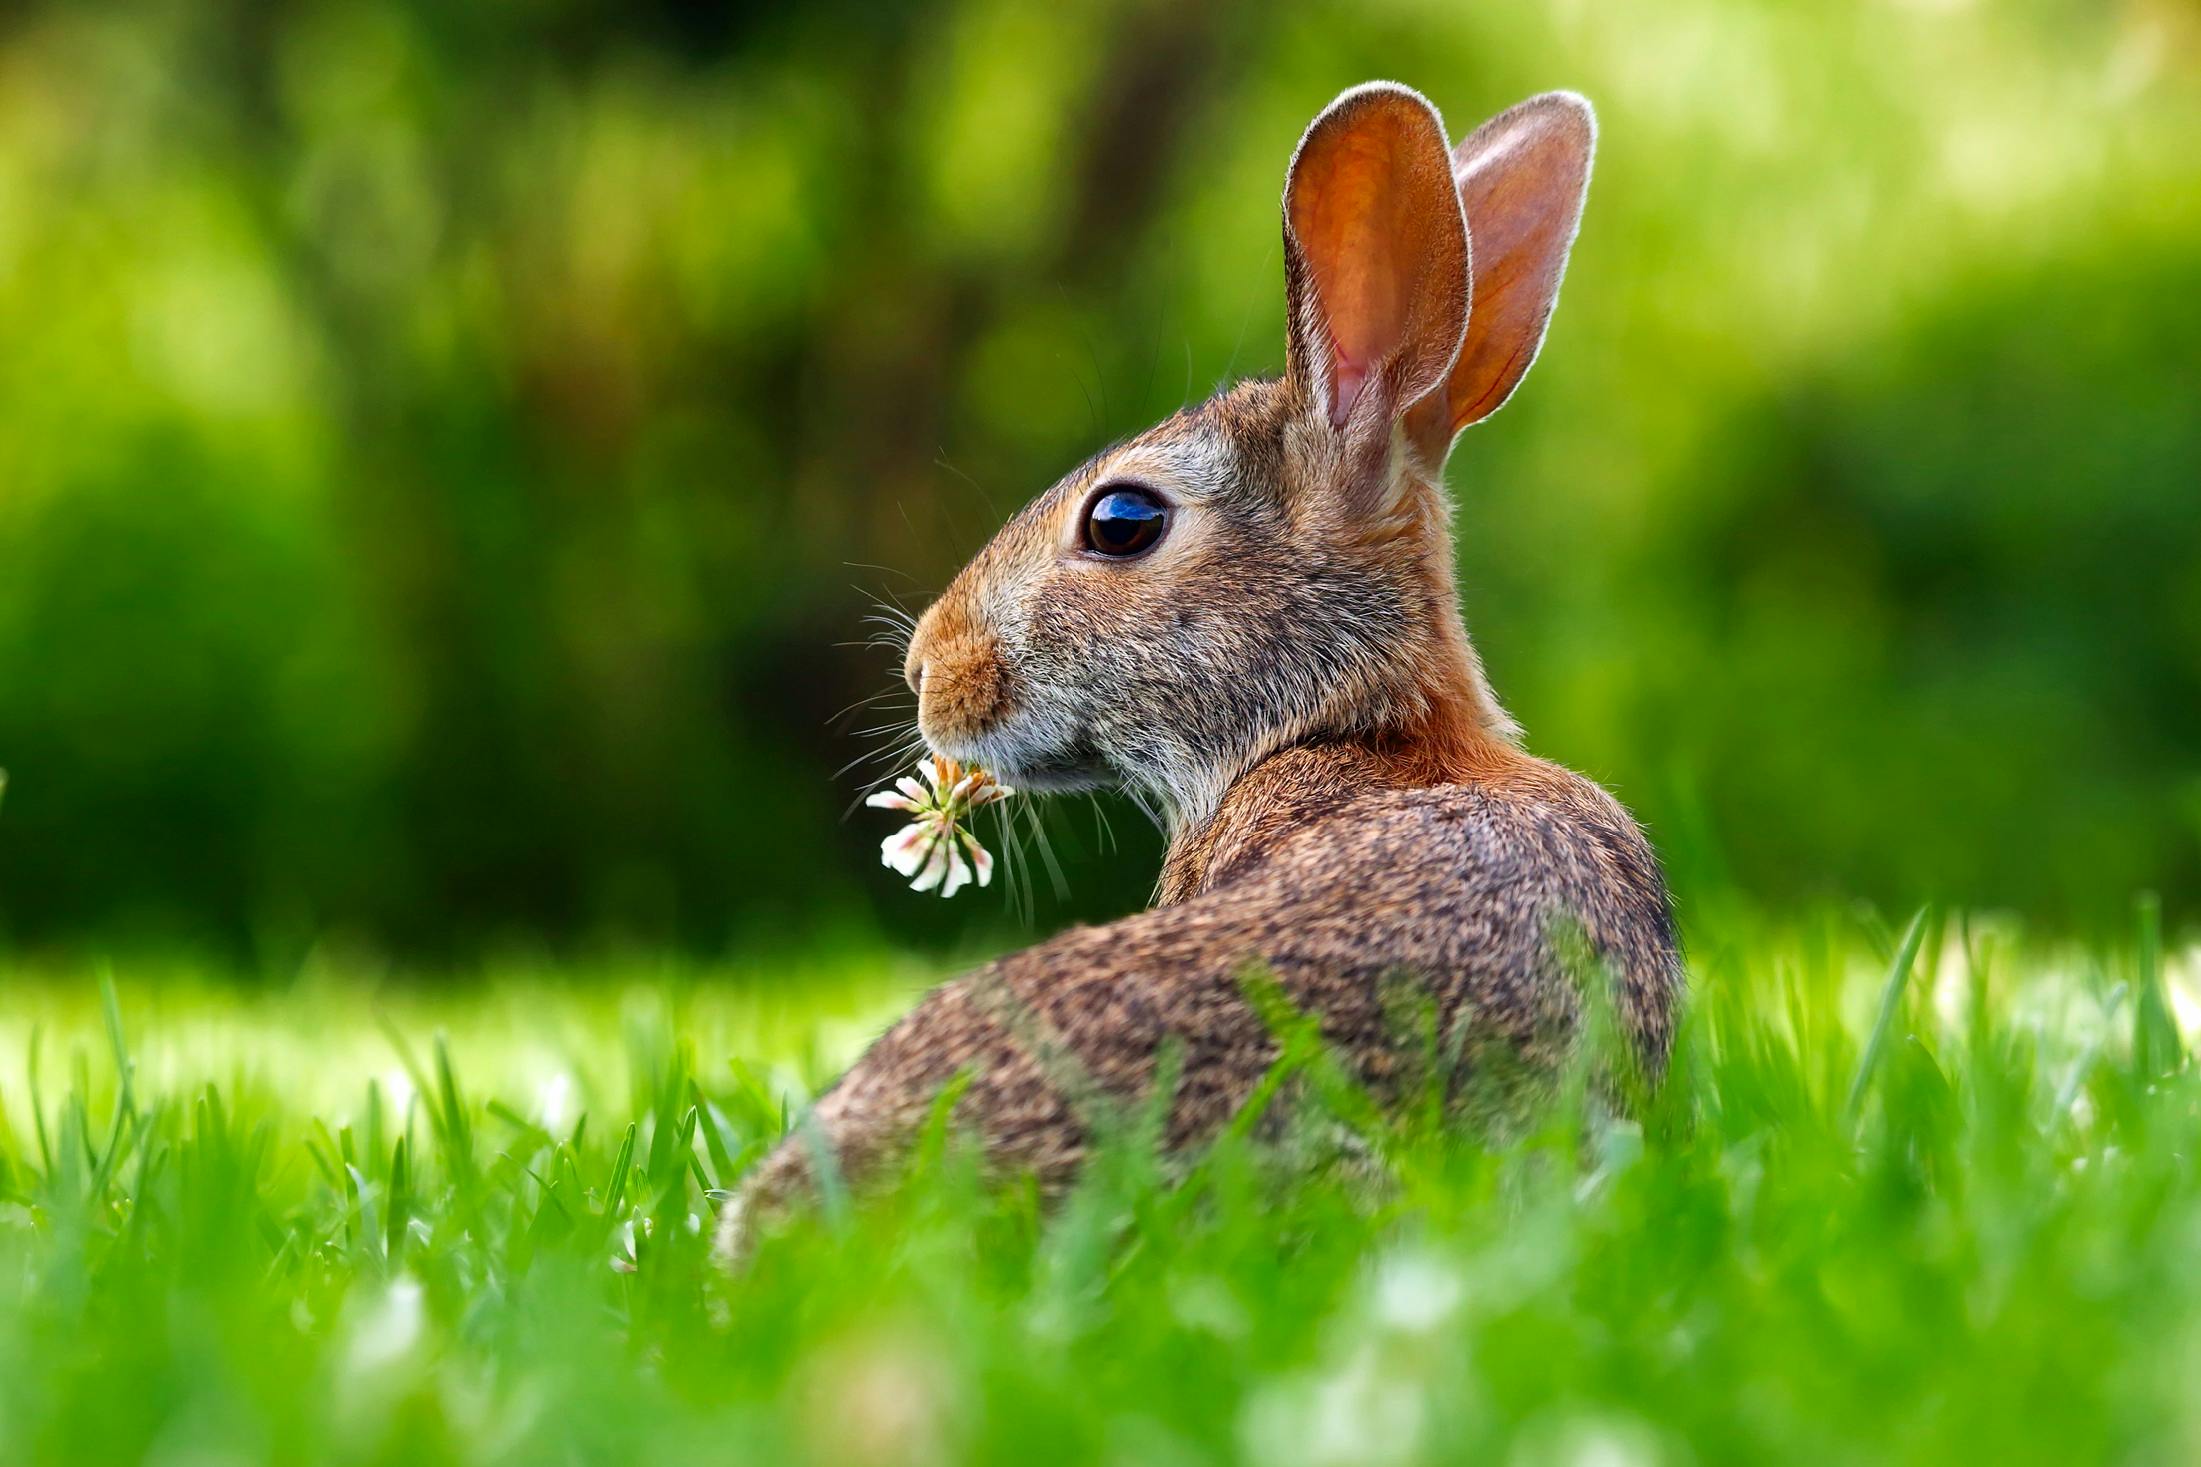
x,y
1288,678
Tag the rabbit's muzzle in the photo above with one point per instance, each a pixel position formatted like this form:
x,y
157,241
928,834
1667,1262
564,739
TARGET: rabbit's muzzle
x,y
955,667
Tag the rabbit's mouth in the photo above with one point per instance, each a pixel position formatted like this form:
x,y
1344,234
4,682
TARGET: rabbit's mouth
x,y
1061,765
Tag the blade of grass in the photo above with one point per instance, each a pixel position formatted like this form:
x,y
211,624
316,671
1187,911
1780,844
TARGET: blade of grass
x,y
38,1108
1891,998
616,1189
2156,1048
125,1068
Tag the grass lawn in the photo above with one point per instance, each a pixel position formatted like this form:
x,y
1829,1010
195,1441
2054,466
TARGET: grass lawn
x,y
359,1221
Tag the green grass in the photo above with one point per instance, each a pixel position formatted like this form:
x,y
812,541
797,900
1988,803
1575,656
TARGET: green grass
x,y
1884,1210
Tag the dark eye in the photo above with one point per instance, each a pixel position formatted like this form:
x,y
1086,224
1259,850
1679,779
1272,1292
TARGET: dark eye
x,y
1125,522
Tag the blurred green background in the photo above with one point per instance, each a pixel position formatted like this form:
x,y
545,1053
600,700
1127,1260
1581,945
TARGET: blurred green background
x,y
446,450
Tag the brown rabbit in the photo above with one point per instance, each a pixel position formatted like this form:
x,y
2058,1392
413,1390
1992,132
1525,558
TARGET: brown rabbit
x,y
1247,614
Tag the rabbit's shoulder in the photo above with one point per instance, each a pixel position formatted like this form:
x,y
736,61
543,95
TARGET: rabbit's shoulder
x,y
1481,876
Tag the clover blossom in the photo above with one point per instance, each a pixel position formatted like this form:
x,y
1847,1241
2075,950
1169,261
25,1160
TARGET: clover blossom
x,y
934,849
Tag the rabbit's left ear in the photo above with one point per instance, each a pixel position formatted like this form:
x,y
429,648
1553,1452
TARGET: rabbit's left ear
x,y
1523,177
1375,264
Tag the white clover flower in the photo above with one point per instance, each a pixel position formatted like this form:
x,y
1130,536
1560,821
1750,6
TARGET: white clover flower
x,y
934,850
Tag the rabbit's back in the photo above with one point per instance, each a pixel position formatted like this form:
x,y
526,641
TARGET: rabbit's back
x,y
1479,897
1502,896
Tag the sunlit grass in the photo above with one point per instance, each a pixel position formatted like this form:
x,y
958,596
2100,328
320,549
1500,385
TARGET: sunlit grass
x,y
524,1029
1916,1195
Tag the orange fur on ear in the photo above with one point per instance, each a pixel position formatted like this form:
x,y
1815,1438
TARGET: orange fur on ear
x,y
1375,257
1522,179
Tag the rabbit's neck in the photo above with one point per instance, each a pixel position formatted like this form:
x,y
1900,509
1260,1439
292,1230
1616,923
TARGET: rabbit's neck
x,y
1454,744
1432,720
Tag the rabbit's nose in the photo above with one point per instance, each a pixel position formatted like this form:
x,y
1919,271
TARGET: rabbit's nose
x,y
914,661
923,639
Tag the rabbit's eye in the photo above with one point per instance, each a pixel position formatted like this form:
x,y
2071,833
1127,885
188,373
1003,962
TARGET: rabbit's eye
x,y
1125,522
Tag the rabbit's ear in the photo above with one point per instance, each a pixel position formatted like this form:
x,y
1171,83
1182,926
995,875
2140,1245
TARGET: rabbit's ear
x,y
1522,177
1375,261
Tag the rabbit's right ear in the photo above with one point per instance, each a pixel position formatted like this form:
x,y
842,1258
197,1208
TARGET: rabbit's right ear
x,y
1375,265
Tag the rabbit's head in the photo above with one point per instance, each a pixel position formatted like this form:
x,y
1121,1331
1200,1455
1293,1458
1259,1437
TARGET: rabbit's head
x,y
1275,565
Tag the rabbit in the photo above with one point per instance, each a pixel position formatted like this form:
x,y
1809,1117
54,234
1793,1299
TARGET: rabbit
x,y
1247,615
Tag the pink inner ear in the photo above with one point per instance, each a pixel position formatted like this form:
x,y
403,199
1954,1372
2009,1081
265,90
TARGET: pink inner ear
x,y
1347,378
1521,178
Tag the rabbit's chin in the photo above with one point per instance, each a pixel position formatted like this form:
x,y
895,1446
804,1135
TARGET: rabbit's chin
x,y
1032,767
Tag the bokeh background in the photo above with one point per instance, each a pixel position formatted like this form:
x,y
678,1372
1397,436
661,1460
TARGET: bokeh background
x,y
447,451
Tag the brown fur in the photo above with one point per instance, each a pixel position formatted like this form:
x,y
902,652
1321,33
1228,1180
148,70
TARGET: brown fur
x,y
1287,676
961,676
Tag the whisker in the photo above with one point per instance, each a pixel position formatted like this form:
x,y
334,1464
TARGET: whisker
x,y
1016,883
899,749
1103,827
879,697
988,500
887,601
1100,375
897,758
889,617
885,570
1145,805
1046,847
